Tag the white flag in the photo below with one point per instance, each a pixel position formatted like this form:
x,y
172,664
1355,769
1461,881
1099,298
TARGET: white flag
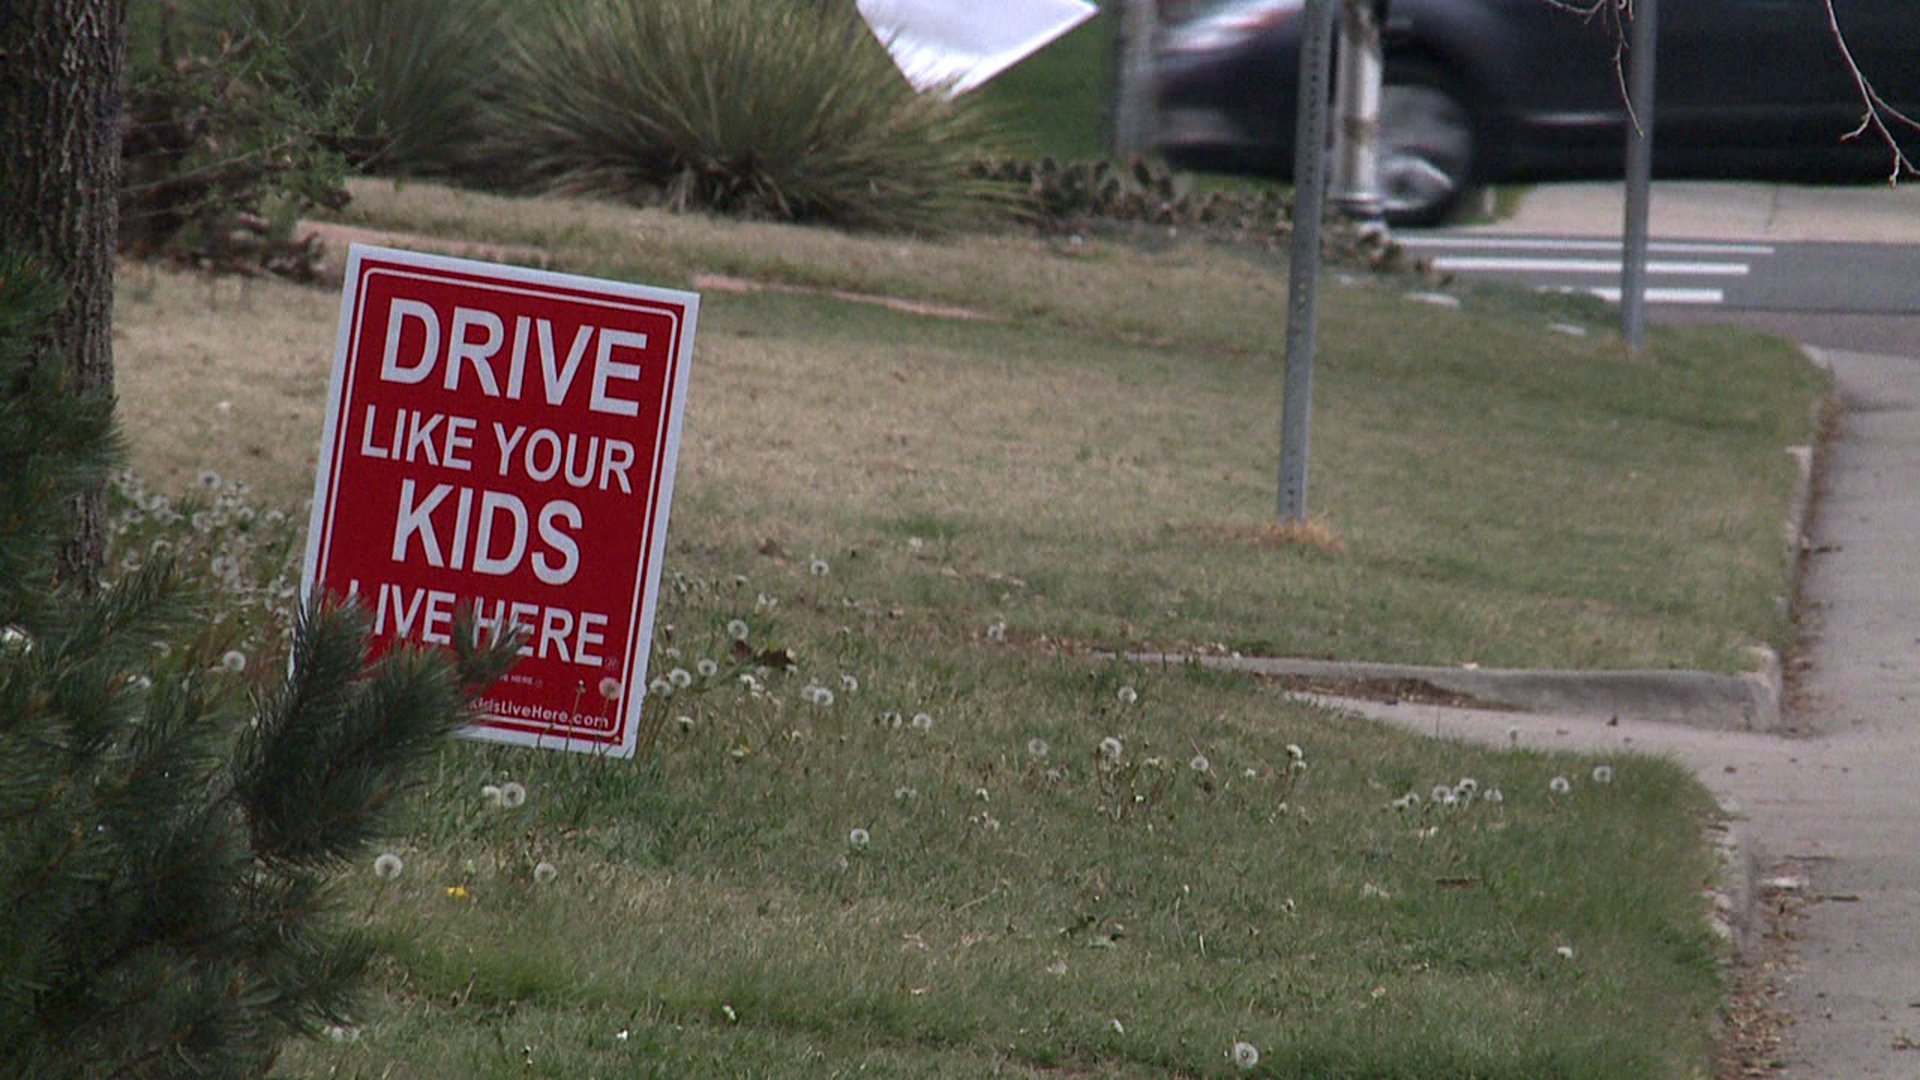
x,y
956,45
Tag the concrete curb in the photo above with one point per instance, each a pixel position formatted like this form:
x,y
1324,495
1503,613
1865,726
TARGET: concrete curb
x,y
1735,918
1745,702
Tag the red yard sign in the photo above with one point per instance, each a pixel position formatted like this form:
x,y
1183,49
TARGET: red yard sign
x,y
502,441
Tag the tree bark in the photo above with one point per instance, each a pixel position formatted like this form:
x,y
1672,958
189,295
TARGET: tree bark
x,y
60,116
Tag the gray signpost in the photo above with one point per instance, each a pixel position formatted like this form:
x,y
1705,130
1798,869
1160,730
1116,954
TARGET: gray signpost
x,y
1303,274
1633,252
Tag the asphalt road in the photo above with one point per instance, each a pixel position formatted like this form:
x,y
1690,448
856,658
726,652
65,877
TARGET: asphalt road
x,y
1837,268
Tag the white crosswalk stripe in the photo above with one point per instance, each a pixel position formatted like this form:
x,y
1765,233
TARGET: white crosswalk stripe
x,y
1592,266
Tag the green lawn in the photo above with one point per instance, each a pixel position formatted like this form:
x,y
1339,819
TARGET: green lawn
x,y
934,513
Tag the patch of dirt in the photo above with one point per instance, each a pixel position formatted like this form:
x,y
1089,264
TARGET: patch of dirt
x,y
1275,535
1797,703
1385,691
334,238
723,283
1755,1028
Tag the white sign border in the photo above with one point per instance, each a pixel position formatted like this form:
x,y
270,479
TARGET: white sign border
x,y
640,639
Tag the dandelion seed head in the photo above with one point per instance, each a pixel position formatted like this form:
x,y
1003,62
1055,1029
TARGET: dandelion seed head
x,y
684,721
680,677
1128,695
849,684
234,660
1494,796
1467,785
1111,748
1564,952
1603,774
512,794
892,719
923,721
660,687
1440,793
209,479
820,696
1294,753
388,866
819,568
1037,749
858,838
1200,764
904,793
1559,785
997,631
707,668
610,688
545,873
1245,1056
1297,765
737,629
490,794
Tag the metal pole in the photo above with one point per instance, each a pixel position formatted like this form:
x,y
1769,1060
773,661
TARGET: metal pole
x,y
1356,116
1133,121
1633,255
1303,272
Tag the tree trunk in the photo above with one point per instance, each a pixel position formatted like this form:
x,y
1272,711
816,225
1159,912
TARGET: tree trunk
x,y
60,117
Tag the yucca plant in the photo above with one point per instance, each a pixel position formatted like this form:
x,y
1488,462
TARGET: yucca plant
x,y
423,68
785,111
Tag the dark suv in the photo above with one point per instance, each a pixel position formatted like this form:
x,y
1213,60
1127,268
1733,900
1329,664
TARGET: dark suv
x,y
1487,90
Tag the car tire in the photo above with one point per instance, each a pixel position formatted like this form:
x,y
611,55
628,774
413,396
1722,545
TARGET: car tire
x,y
1428,146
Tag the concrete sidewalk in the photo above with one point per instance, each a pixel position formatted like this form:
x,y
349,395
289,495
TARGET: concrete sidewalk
x,y
1734,211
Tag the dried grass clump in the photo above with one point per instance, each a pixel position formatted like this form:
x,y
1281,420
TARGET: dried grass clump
x,y
1316,534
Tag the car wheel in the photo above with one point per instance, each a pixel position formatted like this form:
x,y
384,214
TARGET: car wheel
x,y
1426,148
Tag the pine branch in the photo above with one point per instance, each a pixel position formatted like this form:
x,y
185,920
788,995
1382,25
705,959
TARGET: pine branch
x,y
334,747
